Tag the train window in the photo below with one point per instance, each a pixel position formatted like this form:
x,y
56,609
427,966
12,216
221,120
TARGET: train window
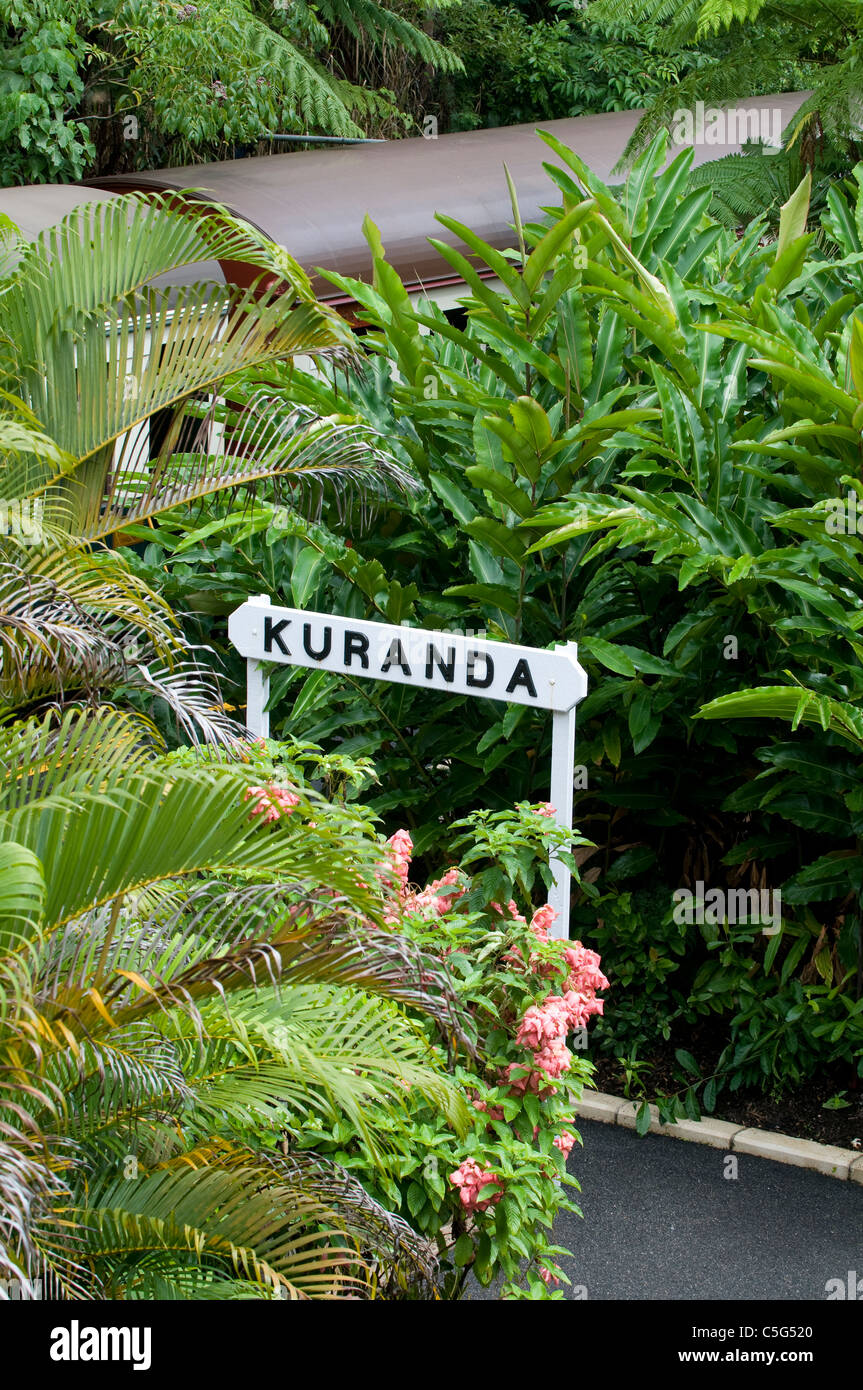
x,y
191,431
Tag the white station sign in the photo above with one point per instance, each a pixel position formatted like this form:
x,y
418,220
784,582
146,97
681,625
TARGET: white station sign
x,y
445,661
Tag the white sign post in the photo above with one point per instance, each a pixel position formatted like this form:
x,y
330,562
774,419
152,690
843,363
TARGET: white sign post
x,y
445,661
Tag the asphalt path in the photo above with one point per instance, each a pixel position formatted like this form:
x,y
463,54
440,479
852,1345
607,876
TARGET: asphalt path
x,y
667,1219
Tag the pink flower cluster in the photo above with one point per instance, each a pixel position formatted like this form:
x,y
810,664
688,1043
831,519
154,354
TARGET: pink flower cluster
x,y
401,847
399,850
544,1027
543,1024
549,1064
564,1142
541,921
272,802
470,1179
539,925
581,984
434,900
511,908
494,1112
584,972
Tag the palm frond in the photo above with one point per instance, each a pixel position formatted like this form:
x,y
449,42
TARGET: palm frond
x,y
232,935
74,751
269,439
59,283
380,26
231,1209
73,624
334,1051
29,1194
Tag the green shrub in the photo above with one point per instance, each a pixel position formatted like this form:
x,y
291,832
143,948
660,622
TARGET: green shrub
x,y
487,1198
555,61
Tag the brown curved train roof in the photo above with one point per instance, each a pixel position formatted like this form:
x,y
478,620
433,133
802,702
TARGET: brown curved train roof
x,y
313,202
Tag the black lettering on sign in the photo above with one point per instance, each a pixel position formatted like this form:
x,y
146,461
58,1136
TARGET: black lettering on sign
x,y
356,645
446,665
396,657
521,676
307,643
271,635
482,683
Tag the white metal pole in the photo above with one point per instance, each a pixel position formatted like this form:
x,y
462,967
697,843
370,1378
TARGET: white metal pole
x,y
257,684
562,764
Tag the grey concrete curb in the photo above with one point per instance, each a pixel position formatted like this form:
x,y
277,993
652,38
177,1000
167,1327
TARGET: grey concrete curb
x,y
721,1134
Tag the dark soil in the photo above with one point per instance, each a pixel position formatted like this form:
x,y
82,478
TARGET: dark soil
x,y
798,1112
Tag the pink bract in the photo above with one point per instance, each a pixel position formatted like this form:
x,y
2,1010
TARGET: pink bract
x,y
542,921
564,1142
272,801
470,1179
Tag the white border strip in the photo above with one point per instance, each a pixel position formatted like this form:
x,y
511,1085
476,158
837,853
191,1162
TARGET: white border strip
x,y
722,1134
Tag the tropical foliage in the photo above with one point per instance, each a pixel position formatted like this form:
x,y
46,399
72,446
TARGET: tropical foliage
x,y
640,442
97,87
227,1030
119,446
771,48
156,1050
143,83
152,1049
243,1053
489,1198
225,1052
539,62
